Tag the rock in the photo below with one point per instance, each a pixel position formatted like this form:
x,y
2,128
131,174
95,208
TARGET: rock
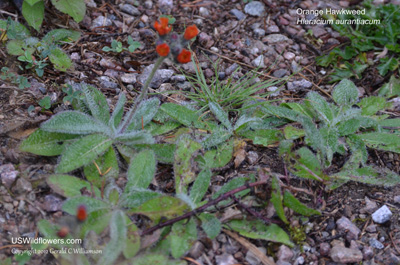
x,y
75,56
238,14
299,260
280,73
396,199
161,76
205,40
371,229
22,186
318,31
208,73
166,4
196,250
232,68
345,255
8,174
298,85
273,29
129,9
128,78
185,86
253,259
259,61
221,75
148,4
164,88
279,262
252,157
375,243
100,21
225,259
105,81
324,249
178,78
37,88
344,224
284,253
111,73
368,252
382,215
255,8
259,32
52,203
204,12
289,55
8,207
370,206
275,38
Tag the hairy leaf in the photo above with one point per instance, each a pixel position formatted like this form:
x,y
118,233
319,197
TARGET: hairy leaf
x,y
263,137
33,14
46,143
69,186
75,8
60,59
258,230
276,199
141,170
345,93
382,141
200,185
219,157
307,165
83,151
64,35
144,113
323,110
135,197
92,204
292,133
182,114
290,201
97,103
210,224
135,137
96,221
370,105
118,112
132,245
182,237
221,115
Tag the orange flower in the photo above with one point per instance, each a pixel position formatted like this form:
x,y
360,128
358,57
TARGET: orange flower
x,y
184,56
81,213
63,232
162,49
191,32
162,28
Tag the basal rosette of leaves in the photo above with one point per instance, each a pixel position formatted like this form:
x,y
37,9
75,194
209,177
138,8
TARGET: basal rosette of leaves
x,y
381,39
346,127
34,52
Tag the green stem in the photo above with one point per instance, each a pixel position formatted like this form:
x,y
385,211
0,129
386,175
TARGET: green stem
x,y
142,95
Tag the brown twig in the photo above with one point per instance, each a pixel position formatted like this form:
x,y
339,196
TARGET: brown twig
x,y
224,196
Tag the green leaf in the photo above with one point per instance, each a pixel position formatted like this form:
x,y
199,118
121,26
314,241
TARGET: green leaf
x,y
132,245
200,185
97,103
158,129
152,258
118,236
69,186
32,2
15,30
45,102
33,14
307,165
164,152
144,113
96,221
217,137
183,165
164,206
292,133
382,141
390,123
348,127
345,93
219,157
61,35
73,122
323,110
358,148
46,143
391,88
387,64
118,112
221,114
106,163
83,151
18,47
210,224
370,105
71,205
290,201
136,197
264,137
141,170
231,185
75,8
182,237
60,59
186,116
276,199
258,230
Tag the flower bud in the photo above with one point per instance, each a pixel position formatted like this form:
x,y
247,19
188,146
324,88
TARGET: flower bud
x,y
81,213
191,32
63,232
162,28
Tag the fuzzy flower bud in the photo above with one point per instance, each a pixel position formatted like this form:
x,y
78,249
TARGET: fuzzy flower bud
x,y
63,232
162,28
191,32
162,49
81,213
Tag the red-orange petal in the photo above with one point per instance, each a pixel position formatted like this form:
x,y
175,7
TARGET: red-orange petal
x,y
162,49
184,56
162,28
81,213
191,32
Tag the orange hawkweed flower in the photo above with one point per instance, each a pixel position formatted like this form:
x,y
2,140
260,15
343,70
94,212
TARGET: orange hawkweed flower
x,y
162,49
81,213
184,56
162,28
191,32
63,232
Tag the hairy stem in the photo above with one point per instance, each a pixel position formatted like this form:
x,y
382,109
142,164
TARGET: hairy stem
x,y
142,95
224,196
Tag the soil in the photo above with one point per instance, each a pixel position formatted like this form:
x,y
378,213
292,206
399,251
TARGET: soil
x,y
230,40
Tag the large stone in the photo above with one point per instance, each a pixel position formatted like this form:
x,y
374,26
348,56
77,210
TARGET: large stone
x,y
275,38
238,14
346,255
382,215
161,76
8,174
129,9
255,8
344,224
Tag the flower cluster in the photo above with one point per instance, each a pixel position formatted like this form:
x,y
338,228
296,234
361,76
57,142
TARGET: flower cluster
x,y
81,215
172,42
